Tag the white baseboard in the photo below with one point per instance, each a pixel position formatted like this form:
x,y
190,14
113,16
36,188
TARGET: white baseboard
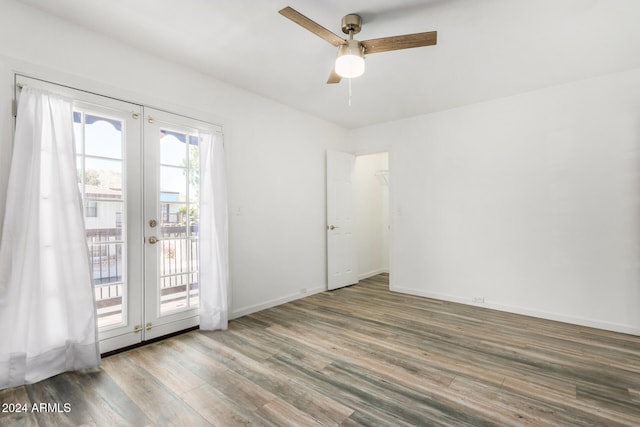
x,y
574,320
243,311
362,276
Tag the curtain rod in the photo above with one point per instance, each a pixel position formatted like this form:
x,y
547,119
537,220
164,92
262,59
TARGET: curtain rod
x,y
20,86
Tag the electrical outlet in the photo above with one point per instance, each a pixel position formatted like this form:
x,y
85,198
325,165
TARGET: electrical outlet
x,y
477,300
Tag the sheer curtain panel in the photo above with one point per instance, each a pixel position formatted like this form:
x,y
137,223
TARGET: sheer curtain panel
x,y
214,246
47,311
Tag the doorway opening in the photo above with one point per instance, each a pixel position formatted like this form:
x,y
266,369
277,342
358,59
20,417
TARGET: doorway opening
x,y
372,225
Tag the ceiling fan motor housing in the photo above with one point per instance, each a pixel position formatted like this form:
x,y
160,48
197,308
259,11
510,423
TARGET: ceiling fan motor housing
x,y
351,24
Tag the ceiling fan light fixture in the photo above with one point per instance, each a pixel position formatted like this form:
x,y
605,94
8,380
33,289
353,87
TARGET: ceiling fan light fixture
x,y
350,60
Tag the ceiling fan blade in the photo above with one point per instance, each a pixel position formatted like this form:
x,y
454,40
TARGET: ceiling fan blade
x,y
334,77
312,26
385,44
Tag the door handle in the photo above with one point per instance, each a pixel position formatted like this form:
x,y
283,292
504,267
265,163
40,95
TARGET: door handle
x,y
152,240
332,227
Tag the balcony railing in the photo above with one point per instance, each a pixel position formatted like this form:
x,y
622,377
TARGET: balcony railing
x,y
178,270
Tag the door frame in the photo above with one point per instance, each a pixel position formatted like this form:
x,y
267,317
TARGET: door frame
x,y
114,338
390,219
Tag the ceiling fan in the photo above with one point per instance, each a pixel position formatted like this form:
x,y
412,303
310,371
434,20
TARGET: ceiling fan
x,y
350,60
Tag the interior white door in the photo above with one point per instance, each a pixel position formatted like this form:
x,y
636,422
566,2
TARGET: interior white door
x,y
341,254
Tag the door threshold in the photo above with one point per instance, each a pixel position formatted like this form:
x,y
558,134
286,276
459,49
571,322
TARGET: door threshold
x,y
151,341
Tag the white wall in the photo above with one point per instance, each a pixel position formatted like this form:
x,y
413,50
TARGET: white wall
x,y
275,155
531,201
372,215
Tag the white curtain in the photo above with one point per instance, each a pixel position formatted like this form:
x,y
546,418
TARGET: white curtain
x,y
214,246
47,309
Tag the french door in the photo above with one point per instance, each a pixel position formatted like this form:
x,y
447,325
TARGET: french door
x,y
171,195
138,172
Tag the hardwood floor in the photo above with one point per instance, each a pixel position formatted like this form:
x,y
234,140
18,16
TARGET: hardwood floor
x,y
356,356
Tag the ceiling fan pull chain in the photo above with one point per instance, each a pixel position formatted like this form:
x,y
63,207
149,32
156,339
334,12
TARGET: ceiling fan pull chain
x,y
349,92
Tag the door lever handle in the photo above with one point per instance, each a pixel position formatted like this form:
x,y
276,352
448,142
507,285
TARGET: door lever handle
x,y
331,227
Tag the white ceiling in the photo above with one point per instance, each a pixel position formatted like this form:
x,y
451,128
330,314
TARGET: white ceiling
x,y
486,48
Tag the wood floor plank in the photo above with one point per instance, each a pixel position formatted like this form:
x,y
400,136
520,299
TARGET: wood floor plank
x,y
358,356
166,368
217,408
105,401
319,406
159,404
50,398
280,413
361,400
16,406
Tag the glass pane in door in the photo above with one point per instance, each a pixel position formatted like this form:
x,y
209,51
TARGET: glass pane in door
x,y
100,165
178,210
